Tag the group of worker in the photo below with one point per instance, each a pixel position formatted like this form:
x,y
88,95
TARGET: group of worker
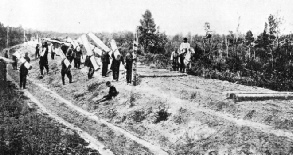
x,y
75,54
180,61
181,57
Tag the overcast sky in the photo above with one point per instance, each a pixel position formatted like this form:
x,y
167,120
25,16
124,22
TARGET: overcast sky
x,y
176,16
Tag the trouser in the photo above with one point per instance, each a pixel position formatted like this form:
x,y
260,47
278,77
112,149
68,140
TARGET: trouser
x,y
77,62
52,55
175,64
68,73
37,54
14,65
128,75
182,65
87,61
116,72
42,65
104,69
91,72
188,66
22,80
5,74
105,98
42,69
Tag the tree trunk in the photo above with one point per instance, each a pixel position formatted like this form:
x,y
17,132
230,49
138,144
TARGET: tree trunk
x,y
227,47
249,52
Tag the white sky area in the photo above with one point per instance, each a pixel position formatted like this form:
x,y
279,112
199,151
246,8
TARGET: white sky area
x,y
173,17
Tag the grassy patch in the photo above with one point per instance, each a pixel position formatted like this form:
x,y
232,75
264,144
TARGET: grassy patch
x,y
26,132
93,86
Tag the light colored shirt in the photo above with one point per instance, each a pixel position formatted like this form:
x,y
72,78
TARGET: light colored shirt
x,y
184,46
173,54
188,55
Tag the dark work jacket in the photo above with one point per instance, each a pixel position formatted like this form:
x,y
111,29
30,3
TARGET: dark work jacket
x,y
129,61
88,62
105,58
44,58
64,68
78,54
116,63
27,59
23,71
69,54
64,49
37,49
14,58
112,91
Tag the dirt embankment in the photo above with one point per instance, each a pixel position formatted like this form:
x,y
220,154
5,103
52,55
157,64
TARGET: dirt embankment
x,y
24,130
182,115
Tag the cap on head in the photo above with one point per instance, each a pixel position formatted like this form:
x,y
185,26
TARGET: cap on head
x,y
184,39
108,83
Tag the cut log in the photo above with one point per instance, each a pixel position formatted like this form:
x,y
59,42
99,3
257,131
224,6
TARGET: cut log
x,y
263,96
17,54
66,62
114,47
6,60
69,40
99,42
59,52
160,75
75,43
230,94
98,52
79,40
89,50
86,45
94,62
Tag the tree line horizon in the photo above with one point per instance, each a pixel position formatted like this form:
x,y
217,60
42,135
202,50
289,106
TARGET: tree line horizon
x,y
262,60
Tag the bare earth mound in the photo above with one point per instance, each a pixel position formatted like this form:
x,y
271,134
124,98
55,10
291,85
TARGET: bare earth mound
x,y
181,115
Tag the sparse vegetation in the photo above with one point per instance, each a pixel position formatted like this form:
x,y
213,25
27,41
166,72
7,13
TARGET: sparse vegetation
x,y
23,131
138,116
161,115
93,86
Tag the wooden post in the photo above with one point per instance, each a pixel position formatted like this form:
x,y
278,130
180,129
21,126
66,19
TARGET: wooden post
x,y
135,48
7,37
23,36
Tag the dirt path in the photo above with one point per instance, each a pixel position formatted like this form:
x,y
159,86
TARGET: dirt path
x,y
93,143
172,100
